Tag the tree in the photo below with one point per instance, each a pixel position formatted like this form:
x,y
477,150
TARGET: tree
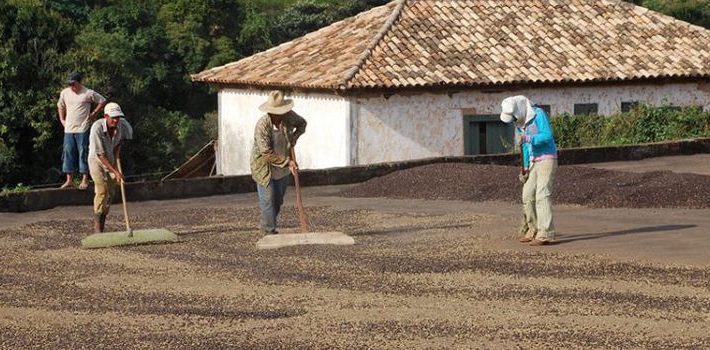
x,y
198,30
34,39
693,11
255,35
305,16
140,53
131,58
76,11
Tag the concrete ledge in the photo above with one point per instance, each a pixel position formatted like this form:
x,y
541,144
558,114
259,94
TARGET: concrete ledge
x,y
220,185
135,191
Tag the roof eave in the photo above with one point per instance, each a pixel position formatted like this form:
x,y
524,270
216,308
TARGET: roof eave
x,y
514,85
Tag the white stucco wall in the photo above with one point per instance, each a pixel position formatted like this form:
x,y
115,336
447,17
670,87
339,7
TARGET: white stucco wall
x,y
429,125
325,144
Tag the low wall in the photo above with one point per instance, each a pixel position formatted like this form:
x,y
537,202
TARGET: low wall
x,y
220,185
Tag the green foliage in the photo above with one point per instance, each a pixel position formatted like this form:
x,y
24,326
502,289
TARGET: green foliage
x,y
693,11
306,16
163,139
140,57
73,10
7,160
256,33
643,124
302,18
19,188
34,41
272,8
199,29
140,53
210,125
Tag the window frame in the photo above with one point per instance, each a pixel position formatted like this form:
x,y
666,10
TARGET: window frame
x,y
584,108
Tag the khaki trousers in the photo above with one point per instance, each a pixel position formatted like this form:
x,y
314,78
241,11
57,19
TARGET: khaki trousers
x,y
104,188
537,201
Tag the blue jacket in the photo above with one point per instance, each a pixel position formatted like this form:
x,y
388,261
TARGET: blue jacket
x,y
539,132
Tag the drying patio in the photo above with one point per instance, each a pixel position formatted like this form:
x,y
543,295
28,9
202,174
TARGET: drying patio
x,y
422,274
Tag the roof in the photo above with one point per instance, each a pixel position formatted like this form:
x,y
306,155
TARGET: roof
x,y
426,43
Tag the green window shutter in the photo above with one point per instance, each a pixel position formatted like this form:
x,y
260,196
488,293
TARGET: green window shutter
x,y
585,108
629,106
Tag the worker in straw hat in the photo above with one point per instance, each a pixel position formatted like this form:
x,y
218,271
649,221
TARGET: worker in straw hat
x,y
534,135
105,140
271,165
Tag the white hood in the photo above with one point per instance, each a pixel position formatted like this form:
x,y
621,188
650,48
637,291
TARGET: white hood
x,y
517,109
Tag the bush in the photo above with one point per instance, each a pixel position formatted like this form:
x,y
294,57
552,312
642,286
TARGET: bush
x,y
7,159
162,140
641,125
210,124
19,188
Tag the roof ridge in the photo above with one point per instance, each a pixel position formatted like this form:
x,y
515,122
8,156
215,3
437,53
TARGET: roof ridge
x,y
394,16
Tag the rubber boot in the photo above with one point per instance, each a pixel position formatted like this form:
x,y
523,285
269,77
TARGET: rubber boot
x,y
98,227
102,221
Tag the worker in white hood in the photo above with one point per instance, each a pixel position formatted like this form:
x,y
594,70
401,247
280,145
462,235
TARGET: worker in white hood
x,y
534,135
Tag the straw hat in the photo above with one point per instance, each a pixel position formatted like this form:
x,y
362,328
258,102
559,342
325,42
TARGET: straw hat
x,y
276,104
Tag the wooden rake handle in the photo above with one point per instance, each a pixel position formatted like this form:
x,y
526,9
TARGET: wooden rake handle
x,y
305,226
123,199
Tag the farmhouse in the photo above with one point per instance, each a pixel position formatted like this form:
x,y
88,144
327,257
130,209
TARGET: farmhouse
x,y
424,78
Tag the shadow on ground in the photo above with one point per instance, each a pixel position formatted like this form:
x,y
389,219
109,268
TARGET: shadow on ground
x,y
407,229
647,229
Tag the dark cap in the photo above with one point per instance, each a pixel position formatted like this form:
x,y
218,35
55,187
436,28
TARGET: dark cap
x,y
74,77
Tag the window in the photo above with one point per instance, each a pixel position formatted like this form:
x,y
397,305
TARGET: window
x,y
585,108
629,106
545,108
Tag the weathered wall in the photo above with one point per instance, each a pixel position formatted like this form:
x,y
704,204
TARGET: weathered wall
x,y
417,126
325,144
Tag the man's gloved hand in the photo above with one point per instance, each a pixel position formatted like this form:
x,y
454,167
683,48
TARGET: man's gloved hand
x,y
523,177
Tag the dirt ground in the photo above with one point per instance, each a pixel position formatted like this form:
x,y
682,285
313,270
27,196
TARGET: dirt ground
x,y
423,274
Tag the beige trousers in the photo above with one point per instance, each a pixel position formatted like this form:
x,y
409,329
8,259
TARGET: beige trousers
x,y
537,201
104,188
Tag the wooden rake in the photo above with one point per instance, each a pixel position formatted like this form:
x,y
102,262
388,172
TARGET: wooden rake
x,y
302,218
